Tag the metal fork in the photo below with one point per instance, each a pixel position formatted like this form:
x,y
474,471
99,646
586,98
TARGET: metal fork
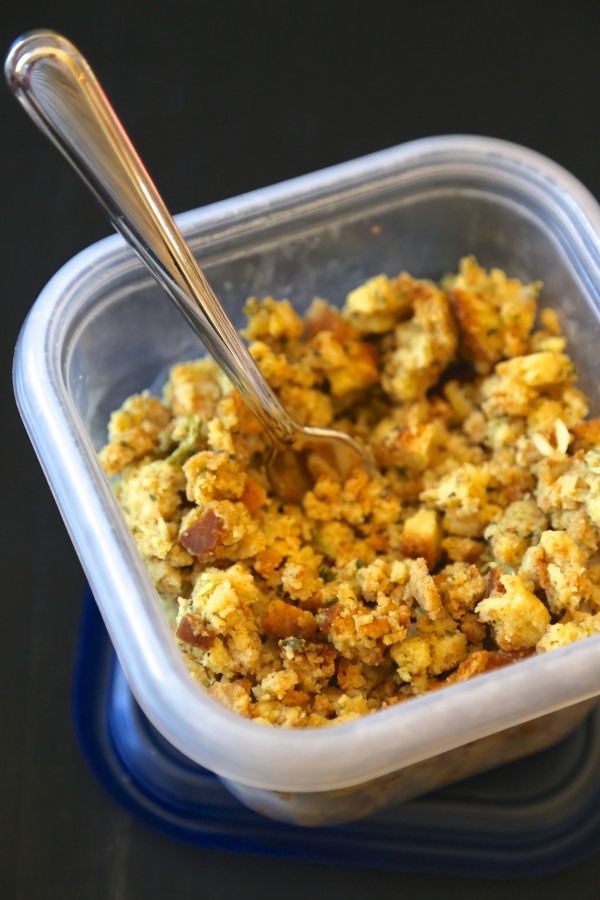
x,y
58,89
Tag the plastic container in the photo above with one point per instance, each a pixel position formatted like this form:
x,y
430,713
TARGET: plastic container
x,y
101,330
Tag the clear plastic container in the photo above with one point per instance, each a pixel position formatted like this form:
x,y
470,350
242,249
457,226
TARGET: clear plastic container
x,y
101,330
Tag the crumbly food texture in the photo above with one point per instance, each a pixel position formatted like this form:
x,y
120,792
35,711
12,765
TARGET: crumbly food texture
x,y
474,546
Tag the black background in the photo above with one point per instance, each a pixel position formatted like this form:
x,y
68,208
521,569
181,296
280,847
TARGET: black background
x,y
220,98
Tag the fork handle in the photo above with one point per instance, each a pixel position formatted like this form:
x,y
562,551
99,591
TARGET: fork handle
x,y
58,89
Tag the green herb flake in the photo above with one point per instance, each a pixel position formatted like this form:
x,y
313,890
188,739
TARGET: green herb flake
x,y
326,574
153,497
360,564
421,609
450,633
291,644
189,445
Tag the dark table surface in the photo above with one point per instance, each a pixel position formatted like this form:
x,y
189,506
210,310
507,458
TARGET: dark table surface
x,y
223,97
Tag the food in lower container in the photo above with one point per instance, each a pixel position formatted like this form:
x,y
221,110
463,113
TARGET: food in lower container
x,y
474,546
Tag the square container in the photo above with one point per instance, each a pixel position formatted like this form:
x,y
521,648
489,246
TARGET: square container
x,y
102,330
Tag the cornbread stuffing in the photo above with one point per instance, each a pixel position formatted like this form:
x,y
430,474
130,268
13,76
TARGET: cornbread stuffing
x,y
476,544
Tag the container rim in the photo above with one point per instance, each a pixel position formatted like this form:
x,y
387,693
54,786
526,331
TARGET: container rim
x,y
301,760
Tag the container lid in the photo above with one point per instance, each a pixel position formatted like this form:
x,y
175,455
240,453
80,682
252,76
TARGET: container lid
x,y
530,817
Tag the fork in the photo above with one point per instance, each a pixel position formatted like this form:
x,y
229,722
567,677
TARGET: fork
x,y
58,89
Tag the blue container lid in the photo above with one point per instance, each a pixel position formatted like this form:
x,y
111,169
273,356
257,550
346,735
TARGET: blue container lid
x,y
530,817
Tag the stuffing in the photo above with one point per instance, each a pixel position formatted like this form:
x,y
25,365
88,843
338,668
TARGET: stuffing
x,y
378,305
556,565
194,389
422,347
474,545
495,314
562,633
520,526
461,586
269,319
518,618
152,498
134,432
